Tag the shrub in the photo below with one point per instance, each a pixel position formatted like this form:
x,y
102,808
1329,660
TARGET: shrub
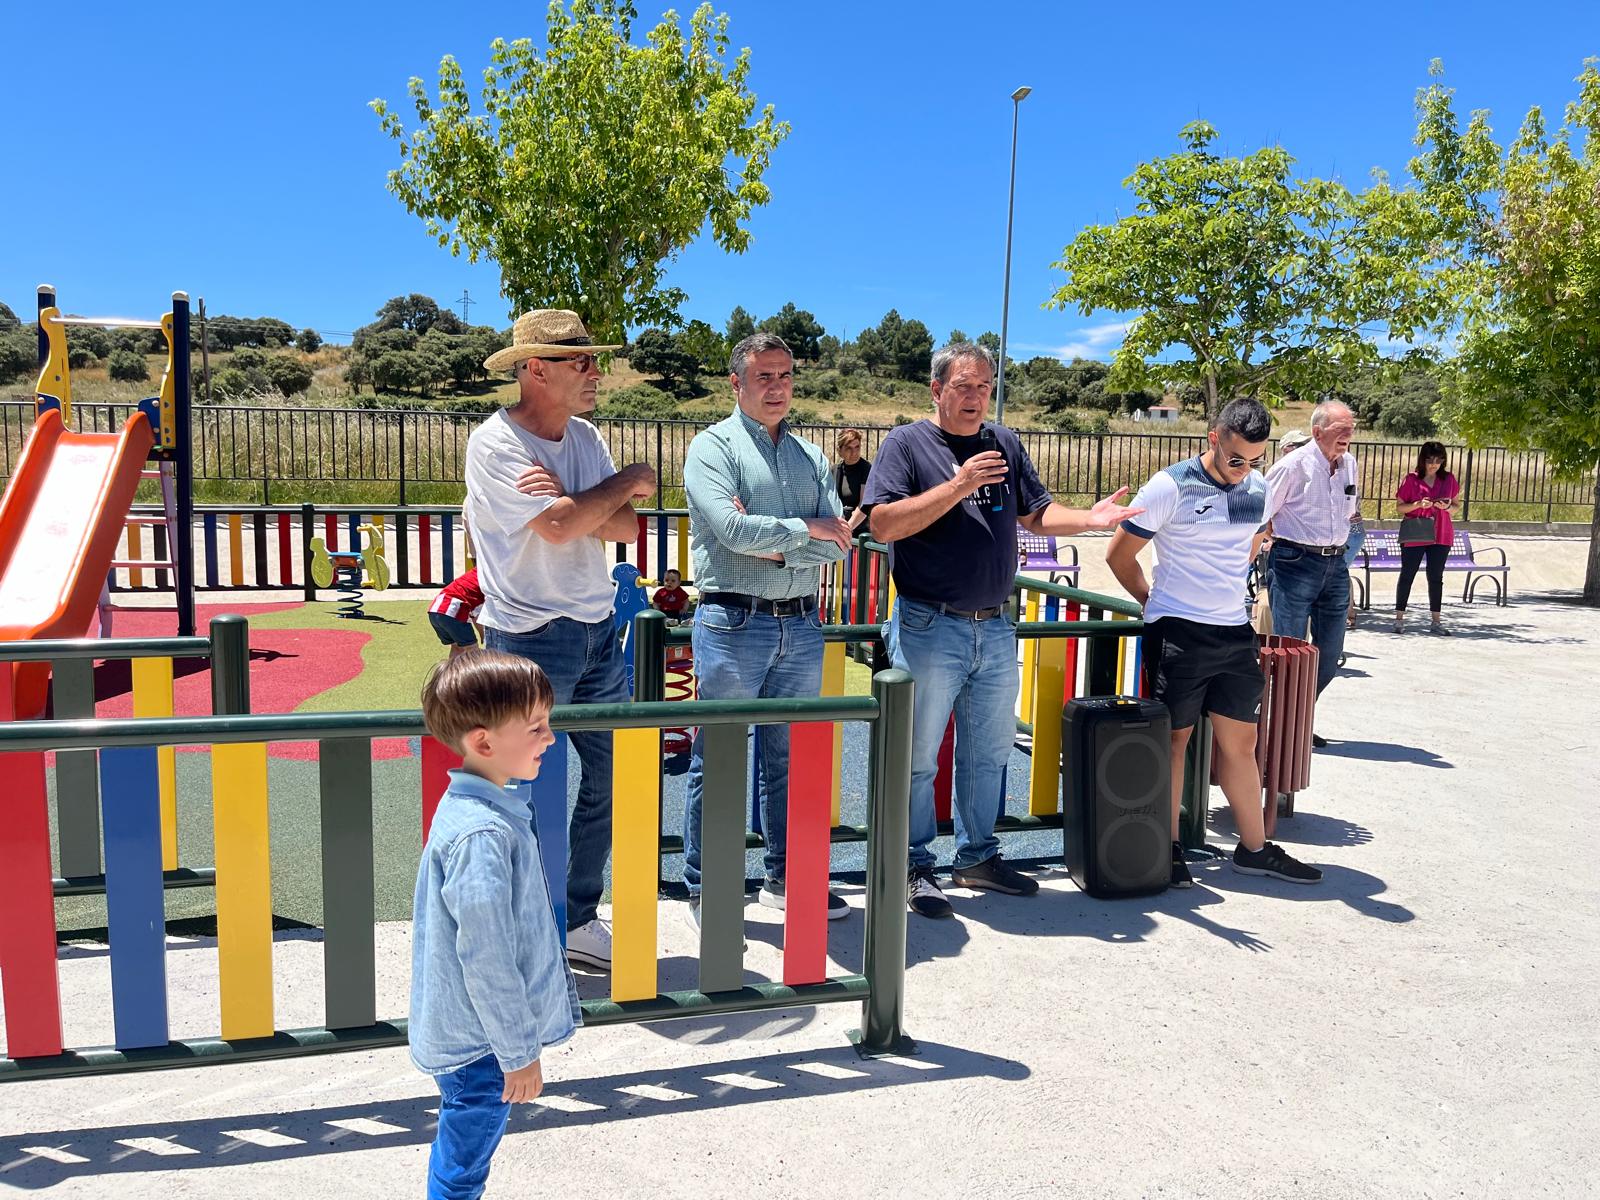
x,y
1407,415
129,366
309,341
289,375
641,401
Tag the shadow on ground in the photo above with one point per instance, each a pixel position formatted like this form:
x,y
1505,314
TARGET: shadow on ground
x,y
50,1158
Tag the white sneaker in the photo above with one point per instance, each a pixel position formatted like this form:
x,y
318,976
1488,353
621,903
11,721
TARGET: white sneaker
x,y
590,945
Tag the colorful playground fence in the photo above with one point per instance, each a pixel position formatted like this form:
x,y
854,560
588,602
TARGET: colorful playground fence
x,y
153,663
128,756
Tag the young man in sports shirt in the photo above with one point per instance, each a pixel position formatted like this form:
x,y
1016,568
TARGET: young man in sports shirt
x,y
1206,516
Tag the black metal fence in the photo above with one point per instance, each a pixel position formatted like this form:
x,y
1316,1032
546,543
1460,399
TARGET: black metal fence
x,y
280,454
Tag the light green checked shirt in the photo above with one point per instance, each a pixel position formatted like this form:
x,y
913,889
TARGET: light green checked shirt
x,y
780,485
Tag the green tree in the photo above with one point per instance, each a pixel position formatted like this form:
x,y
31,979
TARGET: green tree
x,y
1522,229
289,375
1273,285
18,353
8,318
594,162
740,326
705,345
799,328
128,365
657,352
308,341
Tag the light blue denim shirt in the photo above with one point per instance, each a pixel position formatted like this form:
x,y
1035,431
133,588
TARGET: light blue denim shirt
x,y
487,970
779,485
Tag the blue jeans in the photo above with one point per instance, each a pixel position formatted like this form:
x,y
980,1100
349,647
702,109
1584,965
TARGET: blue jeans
x,y
1311,589
585,666
744,655
969,668
472,1120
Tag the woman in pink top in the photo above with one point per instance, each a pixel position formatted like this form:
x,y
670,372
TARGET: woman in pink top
x,y
1429,491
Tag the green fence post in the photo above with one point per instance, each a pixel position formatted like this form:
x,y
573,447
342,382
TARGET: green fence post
x,y
308,517
77,772
1196,788
230,665
888,836
1100,674
650,655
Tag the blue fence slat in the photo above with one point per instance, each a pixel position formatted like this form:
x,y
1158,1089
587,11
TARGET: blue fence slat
x,y
355,531
447,528
211,549
135,918
547,795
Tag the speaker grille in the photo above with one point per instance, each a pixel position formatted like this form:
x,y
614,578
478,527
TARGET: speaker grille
x,y
1129,846
1130,770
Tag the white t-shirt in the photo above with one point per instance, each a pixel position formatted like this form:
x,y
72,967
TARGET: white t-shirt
x,y
1202,532
527,581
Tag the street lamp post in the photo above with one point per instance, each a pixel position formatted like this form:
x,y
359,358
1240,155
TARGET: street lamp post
x,y
1017,97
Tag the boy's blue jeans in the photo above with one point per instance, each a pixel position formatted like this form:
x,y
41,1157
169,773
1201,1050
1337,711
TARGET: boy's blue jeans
x,y
472,1120
585,667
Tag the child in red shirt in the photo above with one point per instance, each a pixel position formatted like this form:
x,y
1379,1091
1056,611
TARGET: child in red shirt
x,y
670,597
452,611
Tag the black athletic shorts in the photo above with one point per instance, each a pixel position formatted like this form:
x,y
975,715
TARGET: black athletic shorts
x,y
1194,668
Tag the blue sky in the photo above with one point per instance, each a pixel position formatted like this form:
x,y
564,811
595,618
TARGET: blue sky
x,y
228,150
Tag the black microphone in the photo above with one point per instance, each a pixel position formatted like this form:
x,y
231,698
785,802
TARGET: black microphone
x,y
989,495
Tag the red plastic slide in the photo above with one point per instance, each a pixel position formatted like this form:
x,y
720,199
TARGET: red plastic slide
x,y
60,522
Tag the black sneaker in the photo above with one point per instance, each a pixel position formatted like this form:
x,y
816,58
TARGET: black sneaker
x,y
1272,860
772,896
1180,869
993,875
923,895
1319,741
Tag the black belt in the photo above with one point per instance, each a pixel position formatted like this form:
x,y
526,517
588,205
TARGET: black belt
x,y
794,607
978,614
1323,551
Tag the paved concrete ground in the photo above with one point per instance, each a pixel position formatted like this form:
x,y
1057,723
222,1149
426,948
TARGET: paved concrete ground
x,y
1421,1024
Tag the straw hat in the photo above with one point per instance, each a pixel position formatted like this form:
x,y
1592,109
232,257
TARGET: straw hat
x,y
543,333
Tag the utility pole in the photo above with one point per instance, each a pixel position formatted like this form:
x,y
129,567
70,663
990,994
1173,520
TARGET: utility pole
x,y
205,351
466,303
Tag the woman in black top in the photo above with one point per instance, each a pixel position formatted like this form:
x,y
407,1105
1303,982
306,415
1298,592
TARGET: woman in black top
x,y
851,476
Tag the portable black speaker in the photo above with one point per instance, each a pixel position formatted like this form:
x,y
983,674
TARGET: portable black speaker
x,y
1116,795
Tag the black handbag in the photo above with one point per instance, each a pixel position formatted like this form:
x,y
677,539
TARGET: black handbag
x,y
1417,529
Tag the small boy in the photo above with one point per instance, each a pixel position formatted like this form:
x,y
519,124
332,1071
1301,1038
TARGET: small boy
x,y
452,611
490,986
670,597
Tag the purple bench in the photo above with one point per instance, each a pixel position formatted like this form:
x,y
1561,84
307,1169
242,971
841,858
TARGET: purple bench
x,y
1381,552
1039,553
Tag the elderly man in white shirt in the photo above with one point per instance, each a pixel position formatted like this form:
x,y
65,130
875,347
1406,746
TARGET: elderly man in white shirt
x,y
1314,497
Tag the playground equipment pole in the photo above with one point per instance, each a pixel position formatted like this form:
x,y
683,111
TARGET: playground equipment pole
x,y
183,467
230,665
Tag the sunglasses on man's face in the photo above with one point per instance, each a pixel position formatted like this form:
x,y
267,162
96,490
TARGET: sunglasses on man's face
x,y
582,361
1235,462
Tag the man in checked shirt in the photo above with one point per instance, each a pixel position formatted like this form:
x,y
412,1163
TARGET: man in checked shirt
x,y
764,518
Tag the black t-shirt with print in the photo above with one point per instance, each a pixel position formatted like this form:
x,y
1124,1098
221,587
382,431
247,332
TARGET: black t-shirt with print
x,y
968,557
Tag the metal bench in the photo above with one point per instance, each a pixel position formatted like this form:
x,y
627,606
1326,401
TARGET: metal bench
x,y
1381,552
1039,553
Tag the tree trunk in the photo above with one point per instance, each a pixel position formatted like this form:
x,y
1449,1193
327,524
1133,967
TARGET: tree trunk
x,y
1591,580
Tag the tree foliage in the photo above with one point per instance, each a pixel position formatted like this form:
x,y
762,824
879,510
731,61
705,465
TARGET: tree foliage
x,y
799,329
128,366
1273,285
903,347
657,352
593,163
1522,229
308,341
740,326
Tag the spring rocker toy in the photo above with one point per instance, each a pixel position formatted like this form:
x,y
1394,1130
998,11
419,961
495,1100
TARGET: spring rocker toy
x,y
344,570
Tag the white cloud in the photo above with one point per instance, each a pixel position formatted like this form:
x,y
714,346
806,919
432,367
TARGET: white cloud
x,y
1092,341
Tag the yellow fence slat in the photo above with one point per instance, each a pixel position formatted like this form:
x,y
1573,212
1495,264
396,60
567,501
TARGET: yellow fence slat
x,y
1029,653
833,685
1044,783
244,888
135,554
235,549
635,862
152,697
1122,657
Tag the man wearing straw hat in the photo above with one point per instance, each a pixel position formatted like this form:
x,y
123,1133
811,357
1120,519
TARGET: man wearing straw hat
x,y
543,498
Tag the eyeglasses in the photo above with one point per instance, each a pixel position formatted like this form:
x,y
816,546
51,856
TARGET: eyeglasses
x,y
582,361
1235,462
